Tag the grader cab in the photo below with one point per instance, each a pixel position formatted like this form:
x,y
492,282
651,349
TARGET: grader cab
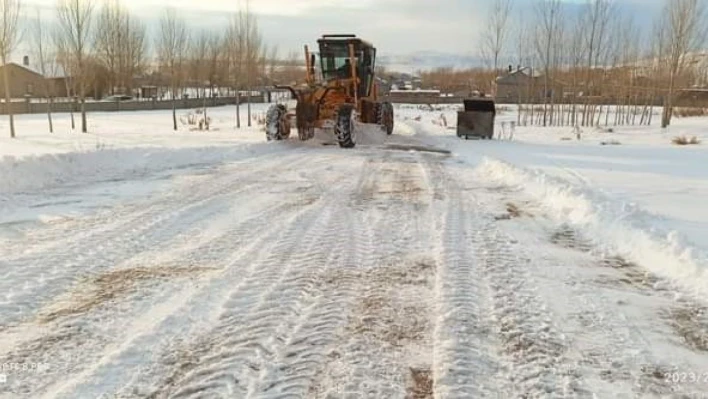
x,y
344,92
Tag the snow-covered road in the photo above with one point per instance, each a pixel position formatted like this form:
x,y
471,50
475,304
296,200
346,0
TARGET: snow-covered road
x,y
317,272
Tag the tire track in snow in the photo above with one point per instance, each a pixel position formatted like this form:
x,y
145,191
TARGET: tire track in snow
x,y
610,345
465,364
292,373
539,364
533,358
257,321
187,311
59,235
345,366
247,325
163,221
627,358
225,243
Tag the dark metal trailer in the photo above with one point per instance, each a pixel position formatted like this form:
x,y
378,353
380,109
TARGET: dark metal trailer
x,y
477,119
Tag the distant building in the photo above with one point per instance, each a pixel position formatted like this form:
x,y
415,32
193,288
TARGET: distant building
x,y
525,85
25,82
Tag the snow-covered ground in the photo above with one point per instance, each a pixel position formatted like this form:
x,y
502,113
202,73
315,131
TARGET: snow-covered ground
x,y
136,262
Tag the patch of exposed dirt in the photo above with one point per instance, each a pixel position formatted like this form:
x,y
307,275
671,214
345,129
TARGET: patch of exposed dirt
x,y
567,237
394,180
179,360
632,275
301,201
389,321
516,343
652,380
617,262
690,322
421,386
111,285
383,314
513,212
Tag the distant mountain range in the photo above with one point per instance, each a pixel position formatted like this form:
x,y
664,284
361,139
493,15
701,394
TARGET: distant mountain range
x,y
427,60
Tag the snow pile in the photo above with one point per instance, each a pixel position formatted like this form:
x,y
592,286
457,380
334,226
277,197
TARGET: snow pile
x,y
617,227
37,172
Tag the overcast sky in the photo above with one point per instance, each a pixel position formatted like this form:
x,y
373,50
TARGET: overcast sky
x,y
394,26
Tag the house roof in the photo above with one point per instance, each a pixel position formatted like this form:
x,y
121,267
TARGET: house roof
x,y
28,69
59,73
513,77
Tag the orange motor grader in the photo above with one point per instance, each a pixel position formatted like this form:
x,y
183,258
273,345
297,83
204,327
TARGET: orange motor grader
x,y
345,92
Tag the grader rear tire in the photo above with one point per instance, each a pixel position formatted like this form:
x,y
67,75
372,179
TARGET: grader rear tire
x,y
344,126
385,117
277,125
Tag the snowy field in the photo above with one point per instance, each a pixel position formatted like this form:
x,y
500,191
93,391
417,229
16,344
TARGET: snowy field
x,y
138,262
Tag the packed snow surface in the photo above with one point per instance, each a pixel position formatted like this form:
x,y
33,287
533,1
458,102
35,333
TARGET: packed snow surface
x,y
138,262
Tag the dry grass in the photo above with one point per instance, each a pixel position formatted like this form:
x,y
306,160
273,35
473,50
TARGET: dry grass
x,y
690,112
683,140
109,286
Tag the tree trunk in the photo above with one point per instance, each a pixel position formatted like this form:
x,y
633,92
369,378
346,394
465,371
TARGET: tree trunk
x,y
8,104
84,127
49,114
204,104
238,109
73,121
174,111
249,107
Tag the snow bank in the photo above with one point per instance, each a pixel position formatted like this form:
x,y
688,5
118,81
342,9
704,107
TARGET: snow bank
x,y
37,172
617,227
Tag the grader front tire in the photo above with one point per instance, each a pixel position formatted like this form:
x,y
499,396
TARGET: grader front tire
x,y
344,126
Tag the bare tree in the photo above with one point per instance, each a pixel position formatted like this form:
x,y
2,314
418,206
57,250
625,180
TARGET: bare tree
x,y
215,57
253,52
120,45
136,50
199,66
575,53
597,15
171,50
684,31
63,60
198,61
75,24
235,50
109,40
9,38
272,63
523,62
46,60
495,36
244,44
547,37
